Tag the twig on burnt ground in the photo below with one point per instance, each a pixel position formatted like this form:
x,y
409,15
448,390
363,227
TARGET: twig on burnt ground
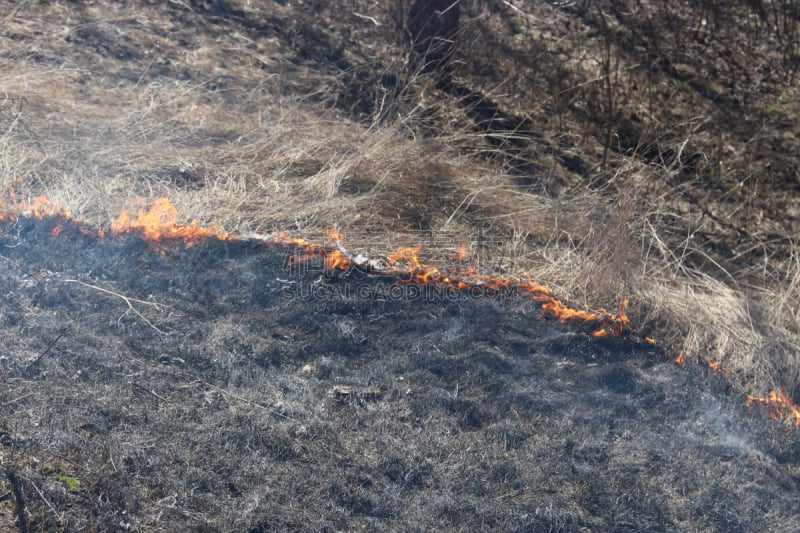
x,y
124,298
128,300
227,393
148,391
49,347
60,516
21,268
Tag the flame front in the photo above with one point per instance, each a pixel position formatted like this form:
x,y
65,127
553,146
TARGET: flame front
x,y
39,207
160,221
779,404
459,254
407,258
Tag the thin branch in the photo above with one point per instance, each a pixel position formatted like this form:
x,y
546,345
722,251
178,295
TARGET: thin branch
x,y
367,17
245,400
148,391
18,398
451,6
20,267
50,505
123,298
515,8
126,299
49,346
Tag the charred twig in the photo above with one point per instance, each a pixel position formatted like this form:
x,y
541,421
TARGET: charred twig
x,y
18,398
515,8
126,299
20,267
60,517
49,347
148,391
245,400
123,298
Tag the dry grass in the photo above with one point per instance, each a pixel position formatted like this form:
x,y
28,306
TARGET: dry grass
x,y
231,145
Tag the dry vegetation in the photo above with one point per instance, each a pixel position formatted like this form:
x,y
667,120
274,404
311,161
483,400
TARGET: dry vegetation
x,y
609,149
644,150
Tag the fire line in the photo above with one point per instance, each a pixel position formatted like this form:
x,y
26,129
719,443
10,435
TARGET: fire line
x,y
158,224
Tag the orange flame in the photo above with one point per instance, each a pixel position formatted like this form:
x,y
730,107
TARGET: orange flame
x,y
335,260
159,222
459,254
779,404
43,207
11,207
407,258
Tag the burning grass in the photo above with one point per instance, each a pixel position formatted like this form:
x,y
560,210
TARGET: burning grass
x,y
234,400
213,404
158,225
232,128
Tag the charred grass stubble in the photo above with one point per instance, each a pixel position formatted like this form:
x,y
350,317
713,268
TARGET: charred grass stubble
x,y
560,180
427,161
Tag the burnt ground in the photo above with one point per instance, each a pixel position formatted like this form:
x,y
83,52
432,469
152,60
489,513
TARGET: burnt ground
x,y
258,396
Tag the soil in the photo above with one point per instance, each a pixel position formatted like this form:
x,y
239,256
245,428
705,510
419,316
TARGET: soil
x,y
225,387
